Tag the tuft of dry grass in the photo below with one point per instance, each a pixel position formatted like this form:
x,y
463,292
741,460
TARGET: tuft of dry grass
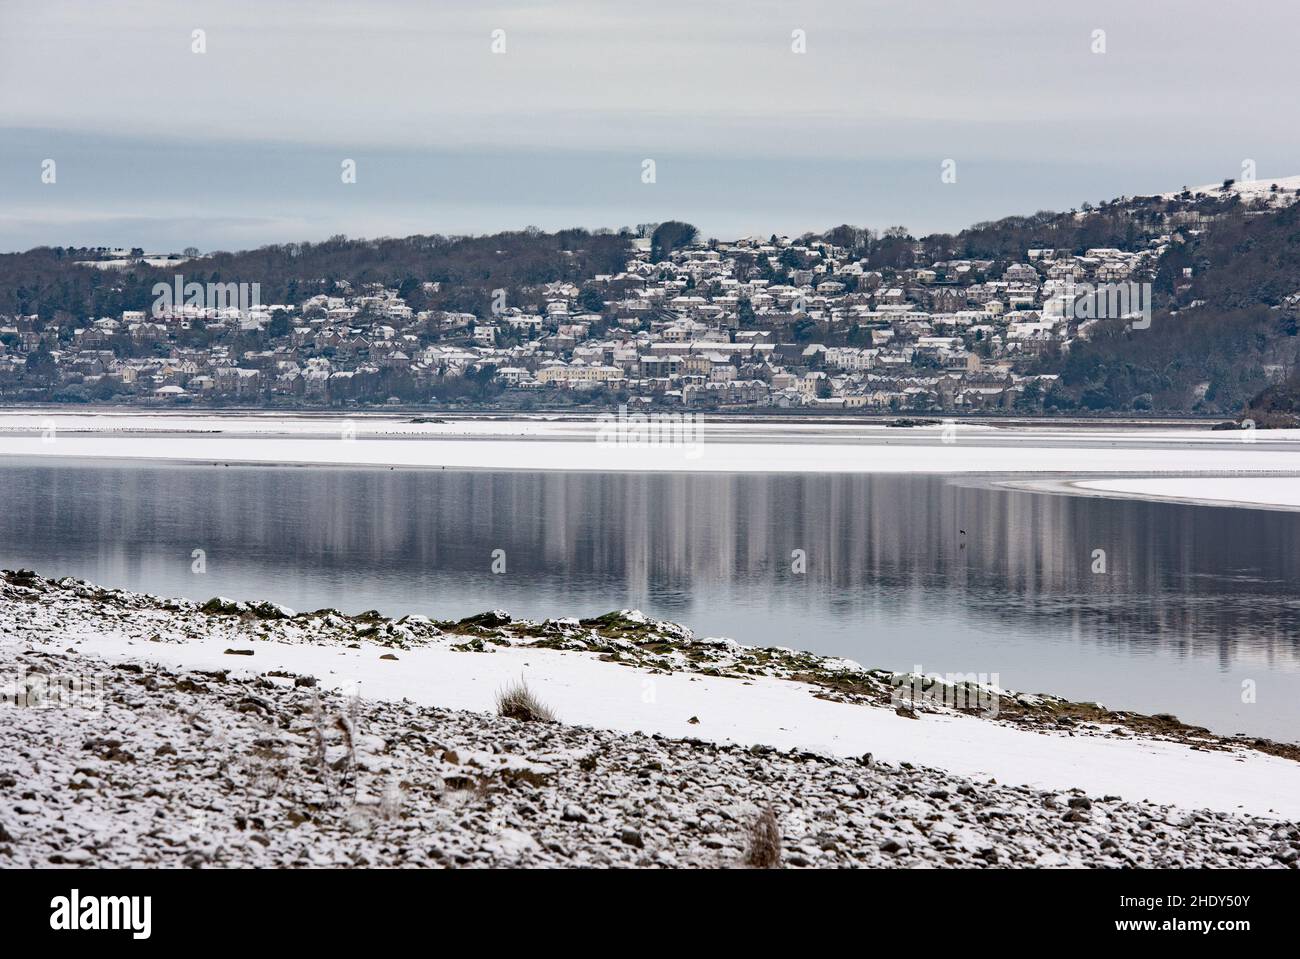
x,y
763,850
518,702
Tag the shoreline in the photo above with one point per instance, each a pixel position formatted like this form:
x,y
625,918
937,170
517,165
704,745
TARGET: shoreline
x,y
1171,488
792,415
929,457
433,423
181,768
1254,492
1154,463
737,695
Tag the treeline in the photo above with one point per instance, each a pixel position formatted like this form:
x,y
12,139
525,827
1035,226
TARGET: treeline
x,y
1220,334
1206,361
1123,224
1245,259
46,281
1278,406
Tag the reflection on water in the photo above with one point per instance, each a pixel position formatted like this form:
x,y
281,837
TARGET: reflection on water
x,y
1194,600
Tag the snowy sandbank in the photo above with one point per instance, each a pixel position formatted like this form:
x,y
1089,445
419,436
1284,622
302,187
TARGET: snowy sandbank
x,y
885,451
1265,492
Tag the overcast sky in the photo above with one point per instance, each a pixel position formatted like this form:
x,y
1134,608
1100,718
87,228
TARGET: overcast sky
x,y
241,145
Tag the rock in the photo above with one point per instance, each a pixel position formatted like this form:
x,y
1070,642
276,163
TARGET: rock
x,y
221,606
1052,860
492,619
694,720
251,703
514,842
631,837
239,652
271,611
72,857
574,813
1080,802
892,846
388,656
359,820
110,749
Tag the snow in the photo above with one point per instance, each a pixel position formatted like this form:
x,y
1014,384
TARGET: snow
x,y
773,712
780,713
735,447
1271,492
577,426
1247,189
385,424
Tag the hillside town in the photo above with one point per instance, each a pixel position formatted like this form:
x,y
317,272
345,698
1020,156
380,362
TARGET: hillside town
x,y
752,323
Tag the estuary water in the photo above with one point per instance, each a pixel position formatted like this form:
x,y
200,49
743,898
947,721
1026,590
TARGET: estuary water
x,y
1193,610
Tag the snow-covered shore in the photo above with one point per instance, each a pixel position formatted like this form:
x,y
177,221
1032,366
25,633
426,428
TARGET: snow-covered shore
x,y
1234,491
214,768
630,675
713,446
70,419
1266,492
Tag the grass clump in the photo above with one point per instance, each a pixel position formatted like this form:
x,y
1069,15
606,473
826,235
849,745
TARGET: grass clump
x,y
763,849
518,702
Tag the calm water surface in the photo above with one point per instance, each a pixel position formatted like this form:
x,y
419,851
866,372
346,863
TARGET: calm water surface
x,y
1195,602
